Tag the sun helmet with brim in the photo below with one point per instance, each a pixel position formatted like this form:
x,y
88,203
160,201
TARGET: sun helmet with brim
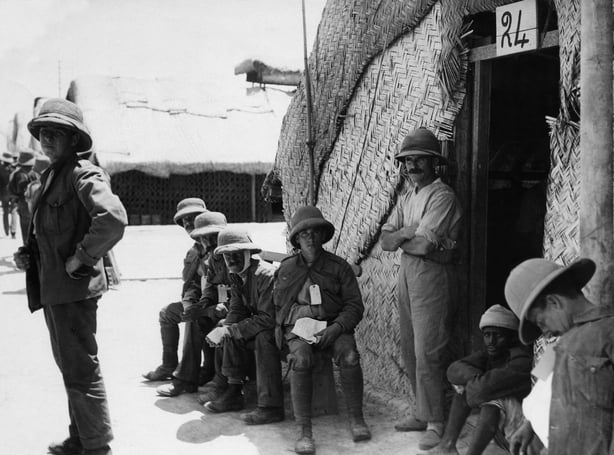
x,y
58,112
528,279
208,223
232,239
189,206
421,142
309,217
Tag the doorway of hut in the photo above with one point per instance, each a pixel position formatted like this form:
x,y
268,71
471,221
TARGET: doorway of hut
x,y
502,148
524,92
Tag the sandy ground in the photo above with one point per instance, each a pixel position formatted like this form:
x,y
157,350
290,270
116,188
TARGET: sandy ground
x,y
32,399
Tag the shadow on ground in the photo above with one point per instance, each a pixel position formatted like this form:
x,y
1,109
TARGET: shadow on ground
x,y
183,404
210,427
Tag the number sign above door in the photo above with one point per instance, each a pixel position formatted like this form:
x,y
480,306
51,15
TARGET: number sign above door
x,y
517,27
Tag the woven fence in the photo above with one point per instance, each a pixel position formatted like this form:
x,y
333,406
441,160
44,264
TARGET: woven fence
x,y
153,200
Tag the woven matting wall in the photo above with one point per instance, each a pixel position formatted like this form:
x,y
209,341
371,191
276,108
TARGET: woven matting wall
x,y
379,70
561,224
225,192
561,234
377,78
398,92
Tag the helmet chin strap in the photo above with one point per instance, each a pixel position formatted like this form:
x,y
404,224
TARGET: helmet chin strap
x,y
247,255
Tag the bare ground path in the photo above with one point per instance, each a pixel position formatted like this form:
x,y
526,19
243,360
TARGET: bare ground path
x,y
32,400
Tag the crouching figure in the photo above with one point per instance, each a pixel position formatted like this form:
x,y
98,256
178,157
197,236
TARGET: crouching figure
x,y
494,380
322,287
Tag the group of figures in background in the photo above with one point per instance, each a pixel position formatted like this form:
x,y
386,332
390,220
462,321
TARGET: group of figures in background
x,y
19,181
245,316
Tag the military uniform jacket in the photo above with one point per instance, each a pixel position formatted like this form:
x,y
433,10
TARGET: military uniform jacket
x,y
75,213
251,307
341,298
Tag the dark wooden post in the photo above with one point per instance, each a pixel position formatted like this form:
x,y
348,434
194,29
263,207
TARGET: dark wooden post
x,y
479,193
596,145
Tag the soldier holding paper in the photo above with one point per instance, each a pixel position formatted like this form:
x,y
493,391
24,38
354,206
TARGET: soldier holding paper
x,y
321,286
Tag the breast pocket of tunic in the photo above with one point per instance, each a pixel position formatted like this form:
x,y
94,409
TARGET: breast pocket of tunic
x,y
592,378
59,216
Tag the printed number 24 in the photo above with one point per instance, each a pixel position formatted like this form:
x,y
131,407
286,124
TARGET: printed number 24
x,y
507,22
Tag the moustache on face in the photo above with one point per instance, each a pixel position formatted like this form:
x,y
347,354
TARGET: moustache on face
x,y
415,171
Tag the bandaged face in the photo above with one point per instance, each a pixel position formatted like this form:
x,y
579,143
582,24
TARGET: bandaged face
x,y
237,261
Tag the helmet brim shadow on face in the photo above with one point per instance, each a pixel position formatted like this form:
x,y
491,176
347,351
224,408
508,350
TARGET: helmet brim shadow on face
x,y
85,141
439,159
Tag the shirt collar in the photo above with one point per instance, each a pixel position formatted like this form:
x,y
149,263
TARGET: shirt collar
x,y
437,180
592,314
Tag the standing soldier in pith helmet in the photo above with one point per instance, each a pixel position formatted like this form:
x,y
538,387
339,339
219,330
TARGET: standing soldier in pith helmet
x,y
424,226
319,285
76,221
171,315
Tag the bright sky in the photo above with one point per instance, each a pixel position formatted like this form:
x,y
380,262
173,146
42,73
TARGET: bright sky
x,y
44,44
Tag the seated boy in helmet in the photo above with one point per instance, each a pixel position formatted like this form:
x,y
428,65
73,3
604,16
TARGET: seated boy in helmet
x,y
319,285
248,327
171,315
493,380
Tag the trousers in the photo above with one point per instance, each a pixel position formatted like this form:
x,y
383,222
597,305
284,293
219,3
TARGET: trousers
x,y
425,305
72,330
235,365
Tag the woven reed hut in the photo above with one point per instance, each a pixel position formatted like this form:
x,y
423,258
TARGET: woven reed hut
x,y
508,125
165,140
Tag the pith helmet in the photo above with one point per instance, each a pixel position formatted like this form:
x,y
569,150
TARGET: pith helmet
x,y
528,279
307,217
233,239
421,142
189,206
26,158
7,157
208,223
59,112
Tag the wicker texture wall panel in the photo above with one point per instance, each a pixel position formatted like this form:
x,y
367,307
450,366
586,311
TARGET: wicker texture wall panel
x,y
399,92
350,35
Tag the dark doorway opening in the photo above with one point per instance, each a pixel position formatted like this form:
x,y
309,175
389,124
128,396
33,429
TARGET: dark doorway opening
x,y
524,90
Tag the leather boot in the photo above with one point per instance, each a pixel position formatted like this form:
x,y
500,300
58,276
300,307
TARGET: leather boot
x,y
207,370
170,343
305,445
352,384
230,400
301,390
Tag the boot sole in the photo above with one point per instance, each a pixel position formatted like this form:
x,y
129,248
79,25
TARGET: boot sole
x,y
213,409
263,422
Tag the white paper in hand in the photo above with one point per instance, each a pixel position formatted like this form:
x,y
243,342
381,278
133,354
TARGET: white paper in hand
x,y
215,336
306,328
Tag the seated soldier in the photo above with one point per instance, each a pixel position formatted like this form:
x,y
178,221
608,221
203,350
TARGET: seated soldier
x,y
201,317
319,285
171,314
249,326
494,380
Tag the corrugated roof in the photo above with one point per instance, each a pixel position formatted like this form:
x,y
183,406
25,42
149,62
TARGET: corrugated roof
x,y
163,127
